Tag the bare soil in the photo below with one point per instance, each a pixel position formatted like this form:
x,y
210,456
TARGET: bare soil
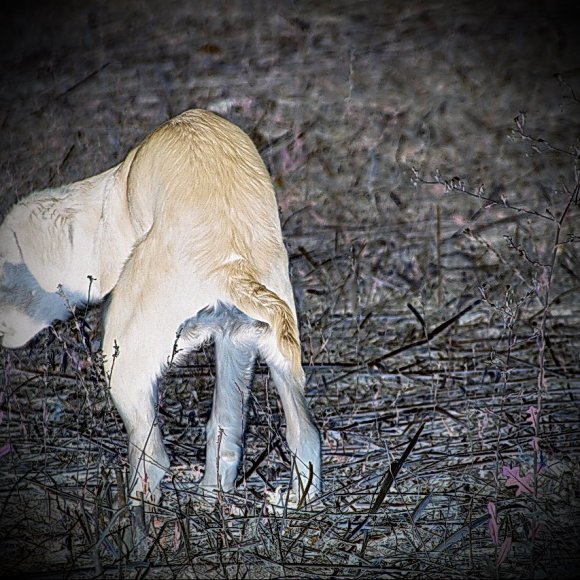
x,y
425,156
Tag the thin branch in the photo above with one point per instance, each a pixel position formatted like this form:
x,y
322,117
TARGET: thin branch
x,y
429,335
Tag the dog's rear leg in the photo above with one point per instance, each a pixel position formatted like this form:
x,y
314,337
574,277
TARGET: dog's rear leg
x,y
301,431
146,309
133,386
235,358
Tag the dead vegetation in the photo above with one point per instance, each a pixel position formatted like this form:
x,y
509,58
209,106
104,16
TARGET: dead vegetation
x,y
426,162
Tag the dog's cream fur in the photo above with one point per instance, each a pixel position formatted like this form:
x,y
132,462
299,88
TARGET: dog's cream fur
x,y
184,235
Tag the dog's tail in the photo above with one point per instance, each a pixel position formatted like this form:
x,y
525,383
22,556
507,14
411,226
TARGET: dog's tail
x,y
257,301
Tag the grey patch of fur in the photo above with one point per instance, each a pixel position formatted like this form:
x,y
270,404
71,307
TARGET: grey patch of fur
x,y
225,318
19,289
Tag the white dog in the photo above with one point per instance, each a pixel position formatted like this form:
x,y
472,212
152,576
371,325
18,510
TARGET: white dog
x,y
185,236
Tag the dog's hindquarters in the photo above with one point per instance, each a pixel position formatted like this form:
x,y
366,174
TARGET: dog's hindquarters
x,y
212,255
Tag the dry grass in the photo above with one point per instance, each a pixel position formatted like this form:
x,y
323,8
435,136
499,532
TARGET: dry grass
x,y
410,198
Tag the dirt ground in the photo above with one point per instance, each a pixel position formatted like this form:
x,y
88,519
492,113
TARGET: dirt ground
x,y
425,158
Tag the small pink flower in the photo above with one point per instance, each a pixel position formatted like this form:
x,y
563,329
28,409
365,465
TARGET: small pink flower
x,y
524,483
